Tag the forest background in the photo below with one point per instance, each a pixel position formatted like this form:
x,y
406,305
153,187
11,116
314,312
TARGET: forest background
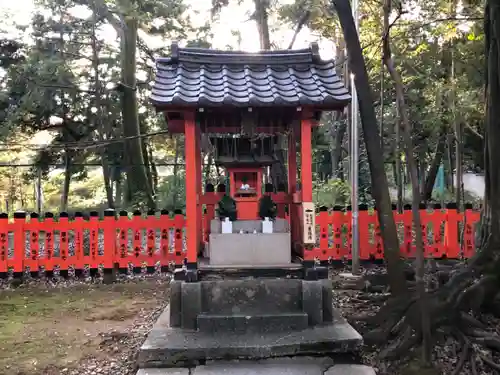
x,y
67,66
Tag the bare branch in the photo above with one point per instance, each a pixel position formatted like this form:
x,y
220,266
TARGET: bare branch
x,y
474,131
302,21
102,9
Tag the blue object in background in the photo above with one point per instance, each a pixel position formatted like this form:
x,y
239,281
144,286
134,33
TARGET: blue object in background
x,y
439,183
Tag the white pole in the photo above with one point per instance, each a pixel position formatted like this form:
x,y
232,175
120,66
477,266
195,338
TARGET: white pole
x,y
354,161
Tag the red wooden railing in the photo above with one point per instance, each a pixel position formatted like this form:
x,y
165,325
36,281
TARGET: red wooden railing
x,y
441,227
159,240
37,243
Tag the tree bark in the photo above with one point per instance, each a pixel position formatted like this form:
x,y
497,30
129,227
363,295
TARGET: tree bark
x,y
421,167
67,180
139,189
458,165
339,133
118,192
433,171
412,166
337,148
99,117
380,187
398,170
491,210
449,163
261,18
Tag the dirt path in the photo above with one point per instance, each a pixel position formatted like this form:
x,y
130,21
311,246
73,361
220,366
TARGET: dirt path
x,y
78,329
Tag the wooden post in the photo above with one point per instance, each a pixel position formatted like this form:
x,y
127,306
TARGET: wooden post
x,y
294,218
191,153
292,163
199,188
306,159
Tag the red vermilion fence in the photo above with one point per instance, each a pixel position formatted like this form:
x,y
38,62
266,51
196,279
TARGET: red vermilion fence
x,y
37,243
442,234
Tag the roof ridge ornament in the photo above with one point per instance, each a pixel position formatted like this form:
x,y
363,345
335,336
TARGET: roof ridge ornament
x,y
314,46
174,51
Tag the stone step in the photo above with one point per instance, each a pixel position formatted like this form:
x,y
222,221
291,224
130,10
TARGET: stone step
x,y
168,346
251,296
348,369
163,371
252,323
269,368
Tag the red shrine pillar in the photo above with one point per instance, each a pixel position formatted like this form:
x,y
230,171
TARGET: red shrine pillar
x,y
199,189
306,171
293,211
306,158
292,163
192,157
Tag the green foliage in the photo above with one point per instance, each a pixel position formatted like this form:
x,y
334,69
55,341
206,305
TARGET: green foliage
x,y
227,208
267,208
334,192
50,75
172,192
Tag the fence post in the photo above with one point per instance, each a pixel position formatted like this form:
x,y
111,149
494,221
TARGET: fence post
x,y
364,221
48,226
110,249
408,231
338,219
4,244
470,218
322,221
63,244
17,262
452,245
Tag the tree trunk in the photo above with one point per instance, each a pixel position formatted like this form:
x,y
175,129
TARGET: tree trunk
x,y
412,166
153,169
380,187
148,163
421,167
491,210
261,18
118,191
67,181
107,182
433,171
278,170
449,163
139,189
458,166
337,148
338,134
99,118
398,170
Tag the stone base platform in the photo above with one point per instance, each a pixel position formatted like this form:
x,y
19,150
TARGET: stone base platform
x,y
176,347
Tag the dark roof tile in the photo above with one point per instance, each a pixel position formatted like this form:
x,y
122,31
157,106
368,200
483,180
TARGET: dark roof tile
x,y
205,78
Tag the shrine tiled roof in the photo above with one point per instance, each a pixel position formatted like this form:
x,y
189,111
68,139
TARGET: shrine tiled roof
x,y
195,77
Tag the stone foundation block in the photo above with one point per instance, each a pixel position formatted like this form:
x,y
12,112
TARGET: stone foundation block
x,y
312,301
190,304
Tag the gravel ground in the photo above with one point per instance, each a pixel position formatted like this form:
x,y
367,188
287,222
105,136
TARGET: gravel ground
x,y
116,348
120,347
